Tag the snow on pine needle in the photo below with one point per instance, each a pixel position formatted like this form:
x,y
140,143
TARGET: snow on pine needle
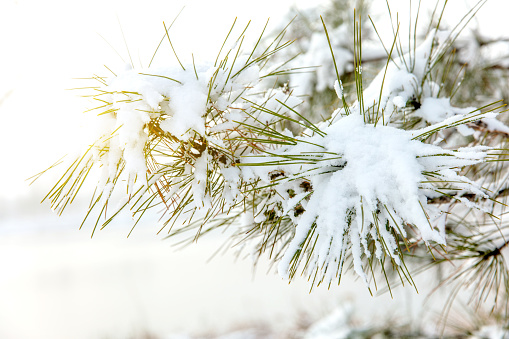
x,y
365,185
169,137
208,144
358,187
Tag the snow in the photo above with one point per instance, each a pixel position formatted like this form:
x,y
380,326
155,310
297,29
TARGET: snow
x,y
494,125
187,104
379,169
151,119
338,88
317,53
187,96
400,79
201,197
367,179
435,110
377,176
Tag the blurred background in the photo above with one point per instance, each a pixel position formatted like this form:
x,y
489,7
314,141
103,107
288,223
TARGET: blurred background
x,y
57,282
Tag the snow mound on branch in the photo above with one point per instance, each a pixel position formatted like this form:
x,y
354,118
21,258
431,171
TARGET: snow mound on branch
x,y
187,95
136,98
369,191
435,110
189,119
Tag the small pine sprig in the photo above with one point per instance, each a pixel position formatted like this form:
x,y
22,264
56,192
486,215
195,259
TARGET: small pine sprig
x,y
169,137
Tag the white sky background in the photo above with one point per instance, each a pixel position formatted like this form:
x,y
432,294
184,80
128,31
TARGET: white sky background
x,y
43,45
